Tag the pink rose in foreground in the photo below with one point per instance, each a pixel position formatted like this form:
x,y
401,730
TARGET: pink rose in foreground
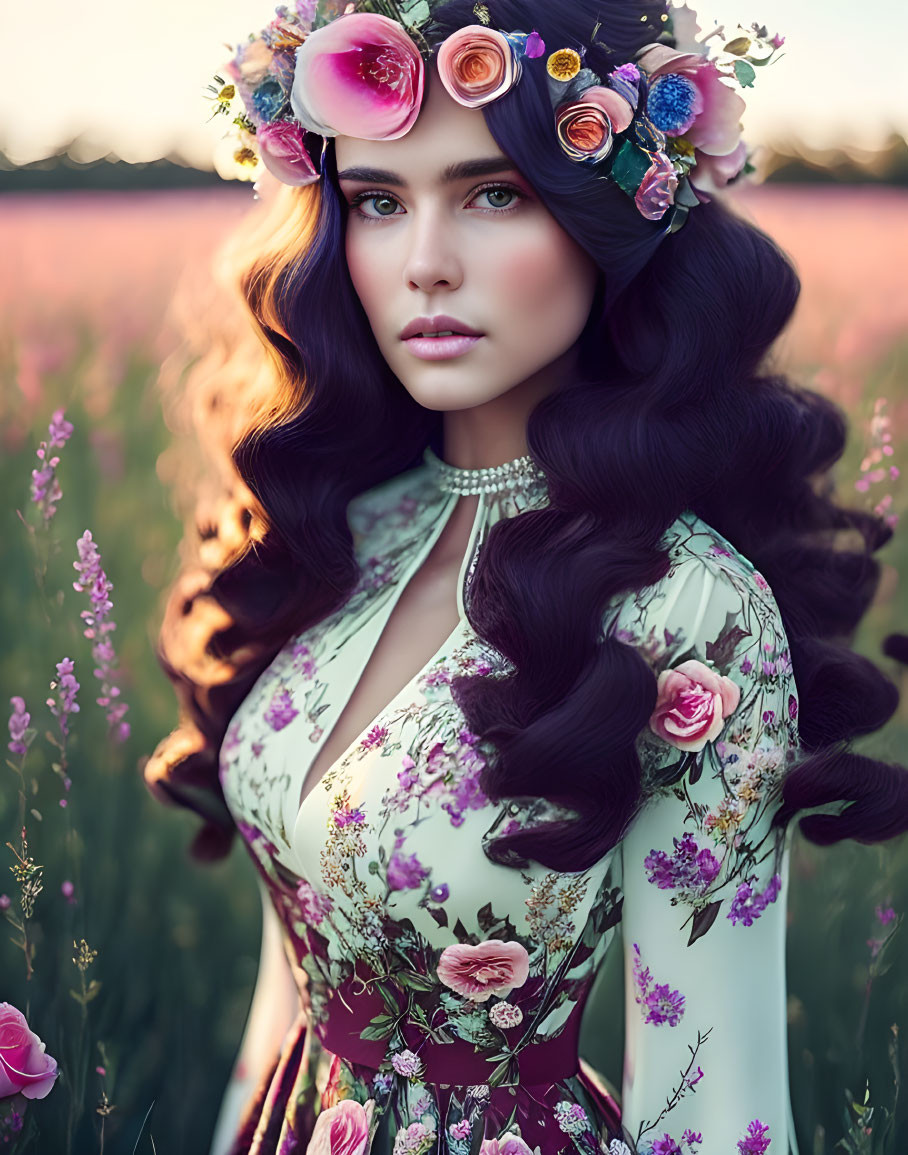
x,y
284,154
713,173
586,126
477,64
692,705
360,75
489,968
717,110
342,1129
506,1145
24,1067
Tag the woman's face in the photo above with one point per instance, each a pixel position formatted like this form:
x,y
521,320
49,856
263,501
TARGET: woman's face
x,y
476,245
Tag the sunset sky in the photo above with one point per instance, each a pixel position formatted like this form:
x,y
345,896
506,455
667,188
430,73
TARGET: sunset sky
x,y
130,78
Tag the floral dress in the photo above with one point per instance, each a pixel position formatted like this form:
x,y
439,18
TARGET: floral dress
x,y
443,992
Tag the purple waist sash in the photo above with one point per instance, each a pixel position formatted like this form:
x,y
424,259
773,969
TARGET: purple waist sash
x,y
456,1062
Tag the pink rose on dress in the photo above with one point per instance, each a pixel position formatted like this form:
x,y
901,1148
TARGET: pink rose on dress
x,y
692,705
696,102
489,968
586,126
342,1129
477,64
283,153
24,1067
360,75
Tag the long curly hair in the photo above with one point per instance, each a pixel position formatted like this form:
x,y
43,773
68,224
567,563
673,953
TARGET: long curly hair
x,y
676,407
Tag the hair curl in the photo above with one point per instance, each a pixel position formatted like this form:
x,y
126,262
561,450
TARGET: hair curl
x,y
676,407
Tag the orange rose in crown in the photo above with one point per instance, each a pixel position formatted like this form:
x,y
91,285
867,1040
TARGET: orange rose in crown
x,y
692,705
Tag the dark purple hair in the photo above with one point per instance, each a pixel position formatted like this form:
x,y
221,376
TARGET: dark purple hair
x,y
673,409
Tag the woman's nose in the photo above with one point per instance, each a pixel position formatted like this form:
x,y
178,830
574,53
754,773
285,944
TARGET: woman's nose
x,y
432,257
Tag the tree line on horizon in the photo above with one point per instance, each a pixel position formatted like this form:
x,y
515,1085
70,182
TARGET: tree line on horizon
x,y
789,163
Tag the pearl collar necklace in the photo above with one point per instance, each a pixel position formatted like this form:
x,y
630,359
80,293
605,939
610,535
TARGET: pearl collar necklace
x,y
518,475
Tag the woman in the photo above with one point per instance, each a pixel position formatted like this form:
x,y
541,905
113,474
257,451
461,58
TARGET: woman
x,y
530,635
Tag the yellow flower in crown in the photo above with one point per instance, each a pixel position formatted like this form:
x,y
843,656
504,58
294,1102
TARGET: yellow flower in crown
x,y
564,64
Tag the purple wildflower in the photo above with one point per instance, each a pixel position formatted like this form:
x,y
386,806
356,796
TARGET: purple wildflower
x,y
67,687
18,727
281,710
68,891
666,1146
769,716
886,915
757,1140
5,902
688,868
440,893
746,666
405,871
692,1080
93,581
690,1137
46,490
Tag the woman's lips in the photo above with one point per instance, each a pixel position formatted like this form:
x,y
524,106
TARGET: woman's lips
x,y
440,348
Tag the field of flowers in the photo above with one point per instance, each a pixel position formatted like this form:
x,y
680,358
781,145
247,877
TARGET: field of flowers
x,y
135,966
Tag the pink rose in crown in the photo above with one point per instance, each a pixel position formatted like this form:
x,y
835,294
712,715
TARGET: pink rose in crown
x,y
656,194
477,64
489,968
586,126
360,75
342,1129
688,97
692,705
24,1067
713,173
284,154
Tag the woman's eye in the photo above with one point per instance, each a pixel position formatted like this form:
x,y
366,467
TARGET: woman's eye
x,y
385,205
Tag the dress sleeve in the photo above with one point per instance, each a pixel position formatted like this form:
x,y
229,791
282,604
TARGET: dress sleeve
x,y
704,876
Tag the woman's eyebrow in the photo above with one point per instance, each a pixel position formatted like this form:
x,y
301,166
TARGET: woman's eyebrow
x,y
461,170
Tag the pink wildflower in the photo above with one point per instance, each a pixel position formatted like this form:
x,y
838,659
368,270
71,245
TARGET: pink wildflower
x,y
93,581
46,490
18,727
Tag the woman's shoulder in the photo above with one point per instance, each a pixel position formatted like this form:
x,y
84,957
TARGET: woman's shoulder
x,y
711,596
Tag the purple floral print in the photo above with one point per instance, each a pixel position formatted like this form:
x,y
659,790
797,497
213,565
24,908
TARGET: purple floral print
x,y
405,871
756,1141
688,869
748,905
658,1002
281,711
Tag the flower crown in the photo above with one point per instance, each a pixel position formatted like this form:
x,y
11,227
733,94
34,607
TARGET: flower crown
x,y
664,127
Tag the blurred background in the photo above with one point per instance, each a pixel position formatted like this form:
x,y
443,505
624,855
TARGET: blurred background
x,y
115,190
